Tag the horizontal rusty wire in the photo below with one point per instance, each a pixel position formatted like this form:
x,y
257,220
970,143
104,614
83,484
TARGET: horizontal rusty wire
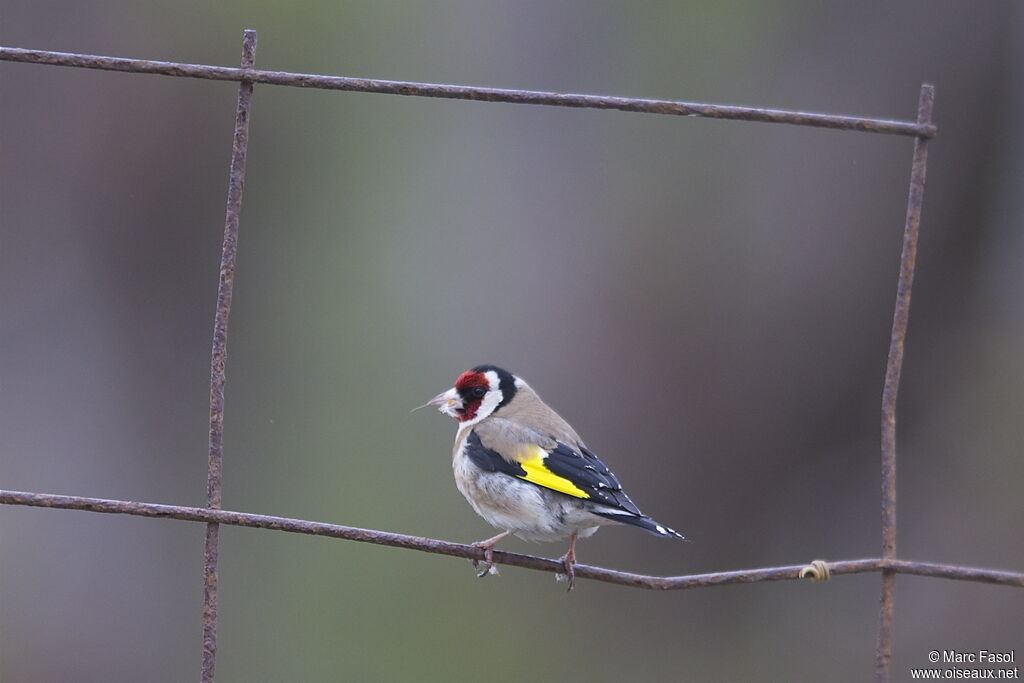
x,y
462,92
439,547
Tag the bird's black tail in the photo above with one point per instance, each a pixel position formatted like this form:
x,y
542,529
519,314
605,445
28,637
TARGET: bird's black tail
x,y
644,522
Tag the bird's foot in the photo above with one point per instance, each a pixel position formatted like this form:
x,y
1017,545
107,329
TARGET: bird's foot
x,y
568,561
487,567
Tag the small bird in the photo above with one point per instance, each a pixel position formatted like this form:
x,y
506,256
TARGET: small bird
x,y
526,471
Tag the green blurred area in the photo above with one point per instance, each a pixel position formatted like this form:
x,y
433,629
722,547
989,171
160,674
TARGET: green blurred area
x,y
707,302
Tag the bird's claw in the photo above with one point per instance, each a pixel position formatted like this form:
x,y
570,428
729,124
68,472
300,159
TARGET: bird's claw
x,y
488,569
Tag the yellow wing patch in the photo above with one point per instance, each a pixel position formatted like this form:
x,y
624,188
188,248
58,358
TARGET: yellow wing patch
x,y
532,460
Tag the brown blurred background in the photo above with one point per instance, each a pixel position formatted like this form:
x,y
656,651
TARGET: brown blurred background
x,y
708,302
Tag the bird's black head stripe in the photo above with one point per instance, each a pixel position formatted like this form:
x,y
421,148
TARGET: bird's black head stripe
x,y
506,382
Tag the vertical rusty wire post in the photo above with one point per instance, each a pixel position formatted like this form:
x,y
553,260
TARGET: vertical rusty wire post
x,y
893,369
218,356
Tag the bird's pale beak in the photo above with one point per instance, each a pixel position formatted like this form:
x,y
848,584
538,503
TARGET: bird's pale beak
x,y
447,402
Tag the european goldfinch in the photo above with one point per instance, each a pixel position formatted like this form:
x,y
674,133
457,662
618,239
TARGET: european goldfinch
x,y
526,471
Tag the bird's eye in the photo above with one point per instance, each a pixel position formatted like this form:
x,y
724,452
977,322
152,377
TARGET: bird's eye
x,y
478,392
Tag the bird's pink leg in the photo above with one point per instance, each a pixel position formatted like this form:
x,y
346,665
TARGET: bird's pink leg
x,y
488,548
568,560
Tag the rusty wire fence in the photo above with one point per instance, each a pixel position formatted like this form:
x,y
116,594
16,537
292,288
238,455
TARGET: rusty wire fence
x,y
888,564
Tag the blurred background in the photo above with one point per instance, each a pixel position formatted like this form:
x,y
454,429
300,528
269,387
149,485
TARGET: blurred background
x,y
708,302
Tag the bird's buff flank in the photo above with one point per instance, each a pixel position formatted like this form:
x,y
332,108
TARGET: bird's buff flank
x,y
526,471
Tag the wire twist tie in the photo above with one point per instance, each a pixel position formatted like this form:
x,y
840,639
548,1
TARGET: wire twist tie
x,y
816,571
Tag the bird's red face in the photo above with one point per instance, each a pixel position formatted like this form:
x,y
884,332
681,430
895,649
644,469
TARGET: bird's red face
x,y
477,393
471,388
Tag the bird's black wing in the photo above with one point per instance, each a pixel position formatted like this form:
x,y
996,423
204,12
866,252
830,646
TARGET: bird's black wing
x,y
488,459
502,446
588,474
555,465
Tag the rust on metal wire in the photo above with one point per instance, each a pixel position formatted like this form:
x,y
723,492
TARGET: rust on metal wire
x,y
463,92
439,547
218,356
893,371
